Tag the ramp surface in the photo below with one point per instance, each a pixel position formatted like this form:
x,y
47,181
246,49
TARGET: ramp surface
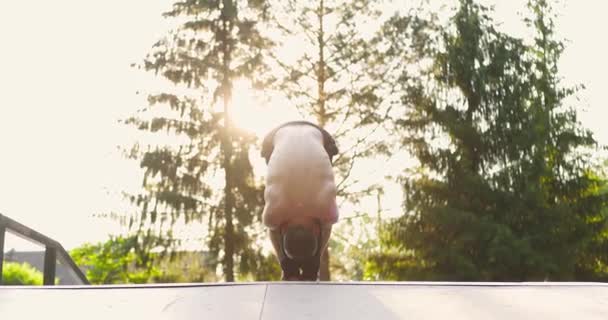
x,y
295,301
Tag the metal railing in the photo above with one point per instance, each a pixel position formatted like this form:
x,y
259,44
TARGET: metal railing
x,y
53,250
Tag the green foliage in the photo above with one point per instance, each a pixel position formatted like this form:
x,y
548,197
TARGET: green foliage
x,y
115,261
504,190
593,262
20,274
353,241
185,267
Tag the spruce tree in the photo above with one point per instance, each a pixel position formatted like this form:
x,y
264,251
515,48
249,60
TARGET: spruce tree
x,y
215,43
502,190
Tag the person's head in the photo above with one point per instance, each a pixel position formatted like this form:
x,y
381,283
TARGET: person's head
x,y
300,241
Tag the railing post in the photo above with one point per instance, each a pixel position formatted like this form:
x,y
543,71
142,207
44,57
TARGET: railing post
x,y
2,232
50,261
53,250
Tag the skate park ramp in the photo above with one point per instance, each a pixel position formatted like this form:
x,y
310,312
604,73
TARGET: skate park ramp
x,y
319,300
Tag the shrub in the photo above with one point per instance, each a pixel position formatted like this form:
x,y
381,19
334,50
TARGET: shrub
x,y
16,274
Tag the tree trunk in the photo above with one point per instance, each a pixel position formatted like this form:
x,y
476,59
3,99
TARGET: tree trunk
x,y
227,150
324,274
321,78
228,200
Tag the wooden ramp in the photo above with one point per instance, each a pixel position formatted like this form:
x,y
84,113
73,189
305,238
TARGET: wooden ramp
x,y
295,301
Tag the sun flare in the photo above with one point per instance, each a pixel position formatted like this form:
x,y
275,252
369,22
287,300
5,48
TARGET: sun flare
x,y
258,111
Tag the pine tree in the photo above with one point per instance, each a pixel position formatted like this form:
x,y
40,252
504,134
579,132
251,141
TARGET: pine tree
x,y
215,43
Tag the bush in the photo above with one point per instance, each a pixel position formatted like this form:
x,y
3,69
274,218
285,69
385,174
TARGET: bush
x,y
15,274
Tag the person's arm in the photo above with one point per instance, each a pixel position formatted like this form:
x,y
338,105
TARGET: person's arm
x,y
275,238
326,222
325,234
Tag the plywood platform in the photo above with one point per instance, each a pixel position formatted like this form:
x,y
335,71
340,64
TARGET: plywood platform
x,y
295,301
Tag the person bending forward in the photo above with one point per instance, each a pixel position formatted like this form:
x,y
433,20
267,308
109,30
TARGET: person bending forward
x,y
300,196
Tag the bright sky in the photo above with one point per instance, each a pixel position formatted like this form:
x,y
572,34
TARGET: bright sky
x,y
65,80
